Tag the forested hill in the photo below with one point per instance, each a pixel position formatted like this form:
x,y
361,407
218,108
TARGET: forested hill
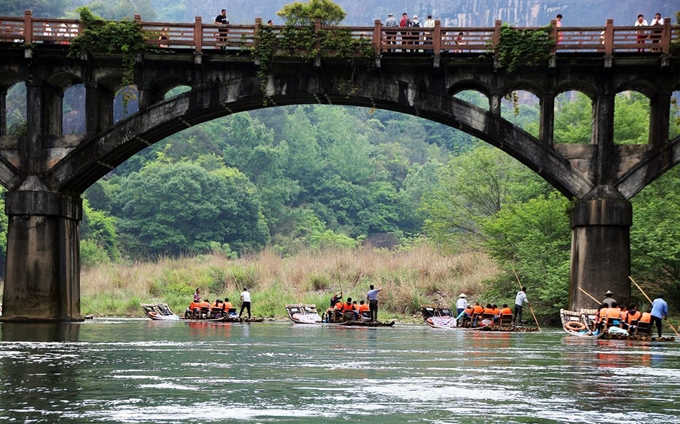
x,y
451,13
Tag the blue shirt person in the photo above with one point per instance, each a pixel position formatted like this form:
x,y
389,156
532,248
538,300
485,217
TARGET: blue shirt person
x,y
659,312
372,297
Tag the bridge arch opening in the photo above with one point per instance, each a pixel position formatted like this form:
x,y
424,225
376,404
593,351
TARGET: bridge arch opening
x,y
126,102
14,113
522,108
474,97
573,118
73,110
632,115
674,116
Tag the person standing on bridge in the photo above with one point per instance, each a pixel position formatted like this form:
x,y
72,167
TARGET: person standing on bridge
x,y
222,19
520,300
657,22
558,24
391,36
641,35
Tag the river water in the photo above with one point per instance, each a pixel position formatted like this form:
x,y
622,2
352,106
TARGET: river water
x,y
139,371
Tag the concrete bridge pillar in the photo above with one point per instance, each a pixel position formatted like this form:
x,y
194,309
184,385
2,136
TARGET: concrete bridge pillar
x,y
600,251
42,278
99,103
659,118
3,111
547,119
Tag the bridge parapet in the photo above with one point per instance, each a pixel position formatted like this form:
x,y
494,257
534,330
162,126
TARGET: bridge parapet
x,y
199,36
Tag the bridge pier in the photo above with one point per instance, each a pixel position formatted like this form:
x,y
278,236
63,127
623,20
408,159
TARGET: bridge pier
x,y
600,251
42,279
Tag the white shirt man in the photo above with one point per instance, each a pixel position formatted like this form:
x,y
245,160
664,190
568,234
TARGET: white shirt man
x,y
245,298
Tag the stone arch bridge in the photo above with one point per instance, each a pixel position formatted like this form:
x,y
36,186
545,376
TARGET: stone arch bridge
x,y
46,171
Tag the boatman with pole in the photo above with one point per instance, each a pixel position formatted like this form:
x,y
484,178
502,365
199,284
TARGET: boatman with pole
x,y
608,299
659,312
520,300
372,297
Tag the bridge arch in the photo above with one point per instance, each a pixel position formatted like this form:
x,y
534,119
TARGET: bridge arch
x,y
97,155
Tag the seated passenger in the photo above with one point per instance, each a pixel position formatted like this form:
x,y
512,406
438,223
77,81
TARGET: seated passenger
x,y
336,313
613,316
632,316
348,310
226,305
193,310
364,310
477,310
600,317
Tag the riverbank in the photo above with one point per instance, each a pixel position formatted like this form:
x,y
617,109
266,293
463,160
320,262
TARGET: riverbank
x,y
408,278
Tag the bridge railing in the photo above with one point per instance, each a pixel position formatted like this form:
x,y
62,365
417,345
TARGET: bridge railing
x,y
199,36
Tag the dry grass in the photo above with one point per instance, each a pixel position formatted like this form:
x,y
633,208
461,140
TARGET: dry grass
x,y
408,279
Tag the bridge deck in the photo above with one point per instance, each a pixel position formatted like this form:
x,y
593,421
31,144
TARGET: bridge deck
x,y
197,36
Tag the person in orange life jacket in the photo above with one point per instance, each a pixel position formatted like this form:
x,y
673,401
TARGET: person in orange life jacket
x,y
348,307
632,315
613,316
364,309
599,317
477,310
226,305
356,309
337,312
505,310
194,307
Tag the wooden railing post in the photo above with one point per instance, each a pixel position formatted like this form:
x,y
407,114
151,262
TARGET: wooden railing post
x,y
198,34
377,37
609,38
497,33
138,18
666,36
317,30
28,27
553,36
437,37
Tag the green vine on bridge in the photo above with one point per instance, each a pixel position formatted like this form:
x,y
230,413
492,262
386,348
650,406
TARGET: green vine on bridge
x,y
517,47
113,37
303,41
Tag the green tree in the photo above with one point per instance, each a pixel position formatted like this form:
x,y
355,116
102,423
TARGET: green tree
x,y
98,233
122,9
183,208
472,187
655,234
573,119
40,8
532,238
299,13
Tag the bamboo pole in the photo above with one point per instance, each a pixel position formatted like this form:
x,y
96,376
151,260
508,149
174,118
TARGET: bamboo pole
x,y
520,287
650,302
588,294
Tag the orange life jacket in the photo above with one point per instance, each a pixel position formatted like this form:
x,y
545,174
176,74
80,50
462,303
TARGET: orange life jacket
x,y
226,306
338,306
363,308
489,311
194,305
477,309
205,304
347,307
646,317
614,313
632,316
506,311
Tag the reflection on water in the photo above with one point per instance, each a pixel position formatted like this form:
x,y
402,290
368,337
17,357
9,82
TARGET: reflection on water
x,y
168,372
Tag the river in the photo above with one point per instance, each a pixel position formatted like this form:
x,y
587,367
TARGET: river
x,y
142,371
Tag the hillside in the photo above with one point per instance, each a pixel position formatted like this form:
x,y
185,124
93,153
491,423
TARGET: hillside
x,y
452,13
